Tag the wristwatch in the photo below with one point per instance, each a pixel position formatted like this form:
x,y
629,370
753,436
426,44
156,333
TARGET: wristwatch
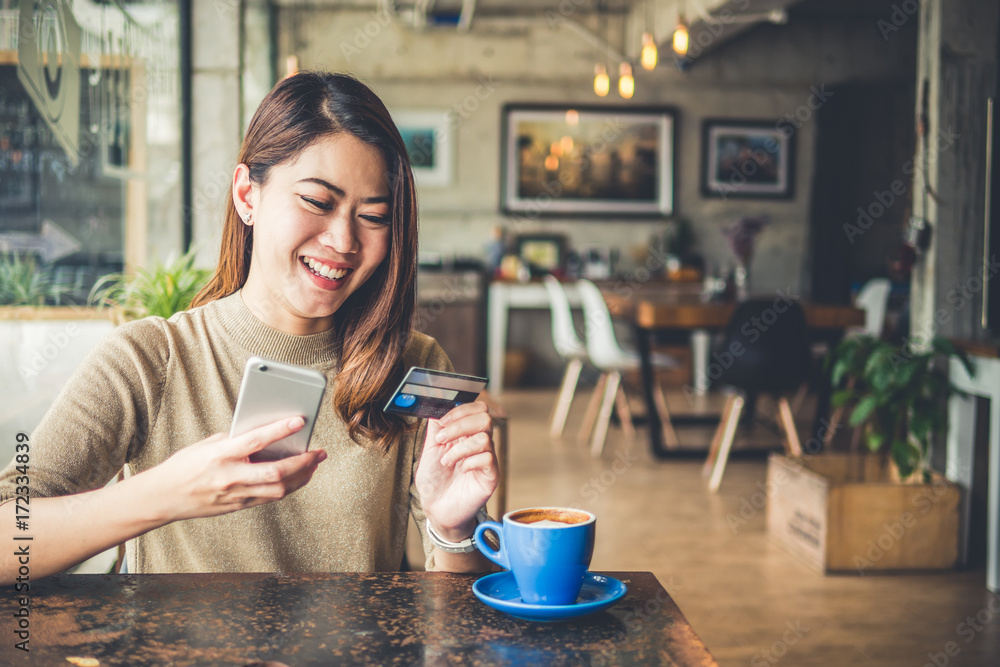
x,y
468,545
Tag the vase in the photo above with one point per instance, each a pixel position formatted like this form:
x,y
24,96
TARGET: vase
x,y
741,279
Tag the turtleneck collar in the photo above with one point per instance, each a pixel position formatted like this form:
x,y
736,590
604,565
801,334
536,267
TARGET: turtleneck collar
x,y
260,339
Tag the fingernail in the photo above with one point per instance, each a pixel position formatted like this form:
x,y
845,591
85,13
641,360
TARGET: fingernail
x,y
442,436
296,422
322,456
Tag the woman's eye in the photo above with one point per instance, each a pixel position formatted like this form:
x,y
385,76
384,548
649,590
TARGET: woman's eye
x,y
378,219
317,203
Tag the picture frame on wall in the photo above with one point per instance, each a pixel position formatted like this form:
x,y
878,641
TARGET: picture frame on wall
x,y
747,158
542,253
559,160
428,137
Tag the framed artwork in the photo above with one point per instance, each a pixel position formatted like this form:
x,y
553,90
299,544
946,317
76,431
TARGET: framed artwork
x,y
428,139
543,253
747,159
580,160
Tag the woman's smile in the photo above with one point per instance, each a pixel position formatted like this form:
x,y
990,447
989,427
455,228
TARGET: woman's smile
x,y
325,275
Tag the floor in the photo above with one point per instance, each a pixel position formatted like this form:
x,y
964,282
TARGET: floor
x,y
749,601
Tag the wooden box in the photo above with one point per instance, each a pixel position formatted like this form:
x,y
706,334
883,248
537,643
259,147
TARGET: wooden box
x,y
845,513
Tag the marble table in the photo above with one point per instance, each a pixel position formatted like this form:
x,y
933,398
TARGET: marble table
x,y
393,618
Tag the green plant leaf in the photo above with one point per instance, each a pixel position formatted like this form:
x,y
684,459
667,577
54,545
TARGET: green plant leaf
x,y
164,290
842,398
24,283
863,410
903,456
875,439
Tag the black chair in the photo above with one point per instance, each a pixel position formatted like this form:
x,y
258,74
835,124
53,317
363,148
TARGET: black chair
x,y
765,351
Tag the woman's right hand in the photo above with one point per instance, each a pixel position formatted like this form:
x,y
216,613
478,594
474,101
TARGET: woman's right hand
x,y
215,476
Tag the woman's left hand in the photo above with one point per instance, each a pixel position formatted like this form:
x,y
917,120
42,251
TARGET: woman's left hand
x,y
458,469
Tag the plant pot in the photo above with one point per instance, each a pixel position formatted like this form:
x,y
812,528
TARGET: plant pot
x,y
844,513
40,347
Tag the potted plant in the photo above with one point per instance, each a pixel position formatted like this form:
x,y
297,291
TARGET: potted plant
x,y
24,283
899,396
885,510
165,289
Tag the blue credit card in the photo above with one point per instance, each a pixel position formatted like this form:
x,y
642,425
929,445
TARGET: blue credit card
x,y
430,394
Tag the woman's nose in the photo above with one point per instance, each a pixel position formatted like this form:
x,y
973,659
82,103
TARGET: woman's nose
x,y
341,234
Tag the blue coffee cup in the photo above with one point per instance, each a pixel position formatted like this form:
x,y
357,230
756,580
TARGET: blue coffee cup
x,y
547,549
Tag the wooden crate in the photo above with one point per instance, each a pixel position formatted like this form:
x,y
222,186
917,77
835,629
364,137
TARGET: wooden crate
x,y
844,513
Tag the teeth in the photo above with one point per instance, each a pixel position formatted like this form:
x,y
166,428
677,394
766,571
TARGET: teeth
x,y
324,270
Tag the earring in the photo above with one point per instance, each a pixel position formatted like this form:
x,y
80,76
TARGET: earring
x,y
246,217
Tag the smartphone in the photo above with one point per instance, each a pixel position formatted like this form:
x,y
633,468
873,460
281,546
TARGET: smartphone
x,y
272,390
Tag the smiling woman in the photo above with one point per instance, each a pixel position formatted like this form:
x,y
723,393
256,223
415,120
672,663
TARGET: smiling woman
x,y
317,268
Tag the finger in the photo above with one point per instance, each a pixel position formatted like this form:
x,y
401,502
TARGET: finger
x,y
475,444
463,410
434,427
469,425
270,486
262,436
273,472
485,463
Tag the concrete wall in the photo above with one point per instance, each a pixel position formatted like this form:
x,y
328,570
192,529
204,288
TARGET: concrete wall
x,y
771,72
217,65
957,58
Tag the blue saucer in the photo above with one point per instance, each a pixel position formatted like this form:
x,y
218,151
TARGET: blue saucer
x,y
500,592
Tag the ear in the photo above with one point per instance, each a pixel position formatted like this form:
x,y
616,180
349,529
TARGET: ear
x,y
244,193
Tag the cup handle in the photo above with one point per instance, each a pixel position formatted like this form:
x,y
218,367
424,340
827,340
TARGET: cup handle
x,y
496,555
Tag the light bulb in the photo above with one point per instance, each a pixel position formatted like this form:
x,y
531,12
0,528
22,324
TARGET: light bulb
x,y
649,54
602,84
680,41
626,84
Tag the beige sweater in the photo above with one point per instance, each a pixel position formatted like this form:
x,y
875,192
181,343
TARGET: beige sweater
x,y
154,386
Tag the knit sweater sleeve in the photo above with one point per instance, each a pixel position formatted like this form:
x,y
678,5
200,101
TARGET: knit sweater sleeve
x,y
101,417
433,357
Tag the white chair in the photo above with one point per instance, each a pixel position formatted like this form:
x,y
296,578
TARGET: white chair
x,y
607,355
570,348
873,299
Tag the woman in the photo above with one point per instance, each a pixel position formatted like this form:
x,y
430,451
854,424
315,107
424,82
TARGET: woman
x,y
317,268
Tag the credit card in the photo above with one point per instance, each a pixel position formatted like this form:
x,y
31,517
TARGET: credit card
x,y
430,394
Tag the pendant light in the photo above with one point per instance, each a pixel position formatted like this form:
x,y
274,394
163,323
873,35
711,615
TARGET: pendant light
x,y
681,36
649,55
626,84
602,84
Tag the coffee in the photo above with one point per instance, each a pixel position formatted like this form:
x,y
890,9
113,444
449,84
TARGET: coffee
x,y
550,515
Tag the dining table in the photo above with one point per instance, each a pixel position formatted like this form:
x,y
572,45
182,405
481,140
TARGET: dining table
x,y
381,618
653,311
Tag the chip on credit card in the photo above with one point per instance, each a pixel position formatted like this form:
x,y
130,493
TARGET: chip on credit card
x,y
430,394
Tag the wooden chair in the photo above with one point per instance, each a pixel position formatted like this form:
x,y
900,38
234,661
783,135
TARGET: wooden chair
x,y
769,353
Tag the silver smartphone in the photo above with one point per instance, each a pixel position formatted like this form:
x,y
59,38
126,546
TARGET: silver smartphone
x,y
273,390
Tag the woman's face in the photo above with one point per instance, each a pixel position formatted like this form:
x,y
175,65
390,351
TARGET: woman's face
x,y
321,227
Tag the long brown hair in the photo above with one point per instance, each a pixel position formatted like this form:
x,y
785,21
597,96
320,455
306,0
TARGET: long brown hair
x,y
372,327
